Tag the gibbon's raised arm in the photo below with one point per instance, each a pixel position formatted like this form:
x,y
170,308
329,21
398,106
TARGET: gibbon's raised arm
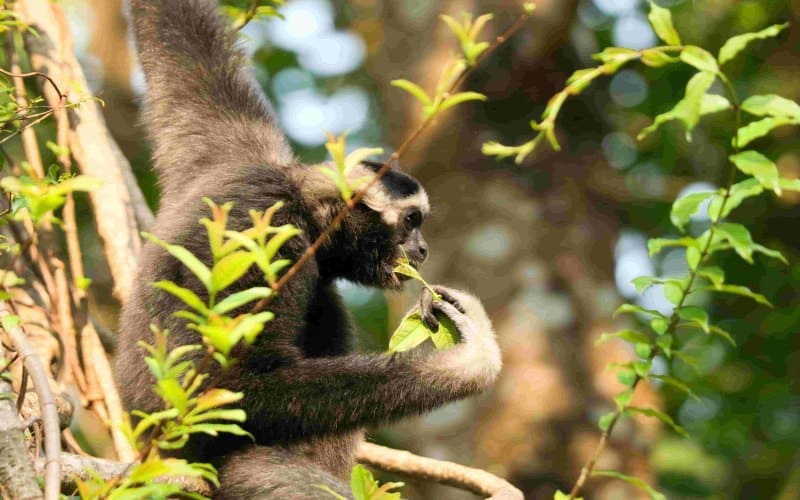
x,y
202,104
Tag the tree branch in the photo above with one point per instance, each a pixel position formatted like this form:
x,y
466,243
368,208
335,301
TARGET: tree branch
x,y
17,477
47,406
467,478
119,205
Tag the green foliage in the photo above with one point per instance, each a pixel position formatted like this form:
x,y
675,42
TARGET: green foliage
x,y
37,198
343,164
191,405
365,487
659,333
241,12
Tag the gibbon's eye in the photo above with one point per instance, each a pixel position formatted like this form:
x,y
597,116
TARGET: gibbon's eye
x,y
414,219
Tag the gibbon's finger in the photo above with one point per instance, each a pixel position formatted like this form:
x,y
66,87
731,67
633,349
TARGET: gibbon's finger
x,y
461,320
426,309
449,297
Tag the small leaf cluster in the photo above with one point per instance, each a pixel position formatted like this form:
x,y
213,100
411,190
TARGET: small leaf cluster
x,y
241,12
340,170
37,198
697,102
467,32
233,253
191,405
364,486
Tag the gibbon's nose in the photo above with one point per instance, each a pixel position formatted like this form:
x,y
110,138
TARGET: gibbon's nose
x,y
423,251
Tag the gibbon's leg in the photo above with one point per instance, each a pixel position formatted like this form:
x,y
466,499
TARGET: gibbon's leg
x,y
265,472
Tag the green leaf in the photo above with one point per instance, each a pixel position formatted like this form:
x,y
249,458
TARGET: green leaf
x,y
10,321
759,166
411,333
611,55
656,58
642,283
655,245
713,274
739,290
699,58
459,98
672,381
230,268
734,45
673,291
739,238
757,129
77,183
187,296
413,89
687,110
447,334
774,254
239,299
623,399
683,208
659,325
626,377
713,103
694,315
738,193
661,21
605,421
772,105
652,412
630,308
631,336
635,481
643,350
186,258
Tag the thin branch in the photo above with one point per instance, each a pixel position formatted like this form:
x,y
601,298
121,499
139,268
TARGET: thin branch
x,y
404,147
466,478
47,406
17,477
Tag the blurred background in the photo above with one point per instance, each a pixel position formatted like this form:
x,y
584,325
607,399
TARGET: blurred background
x,y
550,245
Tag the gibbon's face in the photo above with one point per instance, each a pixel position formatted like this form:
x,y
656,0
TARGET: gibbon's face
x,y
384,226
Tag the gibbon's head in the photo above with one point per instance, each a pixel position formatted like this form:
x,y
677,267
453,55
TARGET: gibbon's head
x,y
384,226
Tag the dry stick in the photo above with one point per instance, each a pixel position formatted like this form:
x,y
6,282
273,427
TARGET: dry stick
x,y
477,481
17,477
587,469
47,406
404,147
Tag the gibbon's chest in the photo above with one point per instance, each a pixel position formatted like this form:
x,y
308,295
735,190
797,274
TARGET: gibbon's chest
x,y
328,325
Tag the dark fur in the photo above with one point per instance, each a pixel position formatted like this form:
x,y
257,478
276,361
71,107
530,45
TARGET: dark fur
x,y
306,396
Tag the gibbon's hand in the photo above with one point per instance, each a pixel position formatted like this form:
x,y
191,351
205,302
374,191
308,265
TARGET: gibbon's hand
x,y
477,355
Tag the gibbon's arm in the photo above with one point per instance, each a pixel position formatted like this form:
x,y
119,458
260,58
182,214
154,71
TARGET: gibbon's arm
x,y
314,396
202,104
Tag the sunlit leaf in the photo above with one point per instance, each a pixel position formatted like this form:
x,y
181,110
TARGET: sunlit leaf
x,y
413,89
695,315
631,336
652,412
683,208
760,128
655,245
187,296
631,308
673,382
459,98
411,333
713,103
230,268
239,299
738,193
759,166
197,268
661,21
733,46
712,273
739,290
699,58
688,109
771,105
